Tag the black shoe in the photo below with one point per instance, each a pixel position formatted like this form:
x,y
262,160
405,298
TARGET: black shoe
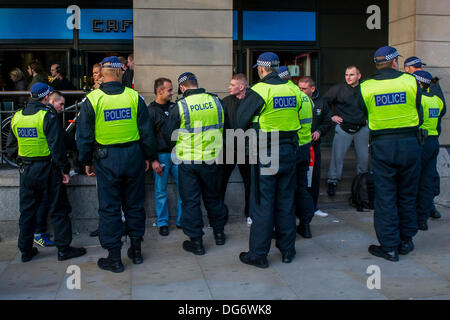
x,y
195,246
28,255
94,233
134,252
435,214
179,227
304,230
379,252
406,247
70,252
220,238
332,186
164,231
287,257
113,262
258,262
422,225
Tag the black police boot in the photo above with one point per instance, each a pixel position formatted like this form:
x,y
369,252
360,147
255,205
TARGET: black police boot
x,y
94,233
406,247
435,214
304,230
256,262
220,238
195,245
423,225
134,252
28,255
287,257
113,263
66,253
378,251
332,186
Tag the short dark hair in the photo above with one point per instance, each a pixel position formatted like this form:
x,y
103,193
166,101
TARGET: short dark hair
x,y
308,80
56,93
190,83
131,56
351,67
160,83
36,66
384,64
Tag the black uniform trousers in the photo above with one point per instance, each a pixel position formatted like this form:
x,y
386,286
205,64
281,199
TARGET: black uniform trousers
x,y
244,170
427,183
37,179
395,163
120,185
314,190
195,181
304,205
274,206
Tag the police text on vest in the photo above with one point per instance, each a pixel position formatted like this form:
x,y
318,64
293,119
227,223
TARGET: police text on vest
x,y
203,106
117,114
284,102
27,132
388,99
433,113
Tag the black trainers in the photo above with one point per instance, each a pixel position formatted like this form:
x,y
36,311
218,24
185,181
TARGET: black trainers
x,y
378,251
112,263
332,186
406,247
256,262
164,231
287,257
423,225
195,246
28,255
70,252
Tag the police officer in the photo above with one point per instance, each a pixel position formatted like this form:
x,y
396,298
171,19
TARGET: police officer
x,y
433,111
304,207
272,108
199,118
392,100
36,137
114,128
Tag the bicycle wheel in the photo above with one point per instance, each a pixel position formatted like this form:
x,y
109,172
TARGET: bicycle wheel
x,y
6,127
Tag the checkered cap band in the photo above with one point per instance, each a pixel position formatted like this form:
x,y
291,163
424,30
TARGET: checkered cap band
x,y
112,65
46,92
422,79
389,57
284,74
262,63
182,79
413,62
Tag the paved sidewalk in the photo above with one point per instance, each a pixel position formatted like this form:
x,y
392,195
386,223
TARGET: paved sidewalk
x,y
331,265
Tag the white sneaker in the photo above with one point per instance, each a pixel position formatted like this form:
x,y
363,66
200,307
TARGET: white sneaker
x,y
249,221
320,213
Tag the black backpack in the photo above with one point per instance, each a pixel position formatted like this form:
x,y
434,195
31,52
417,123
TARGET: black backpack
x,y
362,191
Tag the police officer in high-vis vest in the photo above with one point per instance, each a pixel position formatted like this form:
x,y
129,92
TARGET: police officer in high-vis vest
x,y
433,111
37,140
392,100
304,205
115,138
272,109
196,123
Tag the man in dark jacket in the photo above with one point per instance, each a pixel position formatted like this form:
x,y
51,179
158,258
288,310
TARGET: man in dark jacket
x,y
321,125
128,76
159,111
351,126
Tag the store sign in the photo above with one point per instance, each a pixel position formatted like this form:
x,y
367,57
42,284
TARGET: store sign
x,y
58,24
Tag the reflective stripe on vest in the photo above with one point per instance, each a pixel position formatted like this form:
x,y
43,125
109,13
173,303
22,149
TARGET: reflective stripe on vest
x,y
29,131
432,107
305,115
281,105
115,116
201,127
391,103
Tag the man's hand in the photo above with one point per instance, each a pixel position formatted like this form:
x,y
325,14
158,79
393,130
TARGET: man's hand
x,y
90,170
65,178
156,166
315,136
337,119
147,165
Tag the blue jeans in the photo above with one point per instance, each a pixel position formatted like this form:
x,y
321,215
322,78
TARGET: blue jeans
x,y
162,211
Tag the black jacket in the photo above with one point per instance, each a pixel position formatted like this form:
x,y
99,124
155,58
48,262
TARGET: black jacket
x,y
253,104
172,123
343,101
127,79
386,74
321,117
158,115
53,132
63,84
86,126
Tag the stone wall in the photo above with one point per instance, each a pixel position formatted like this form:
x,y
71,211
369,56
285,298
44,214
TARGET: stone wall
x,y
421,28
176,36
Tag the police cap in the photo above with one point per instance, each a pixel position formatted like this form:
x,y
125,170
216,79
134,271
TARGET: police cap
x,y
414,62
423,76
267,59
390,53
184,77
111,62
39,90
283,72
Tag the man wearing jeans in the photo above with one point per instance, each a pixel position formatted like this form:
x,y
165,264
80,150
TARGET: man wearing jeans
x,y
159,111
351,125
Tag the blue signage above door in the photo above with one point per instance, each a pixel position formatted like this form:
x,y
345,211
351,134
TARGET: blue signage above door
x,y
98,24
